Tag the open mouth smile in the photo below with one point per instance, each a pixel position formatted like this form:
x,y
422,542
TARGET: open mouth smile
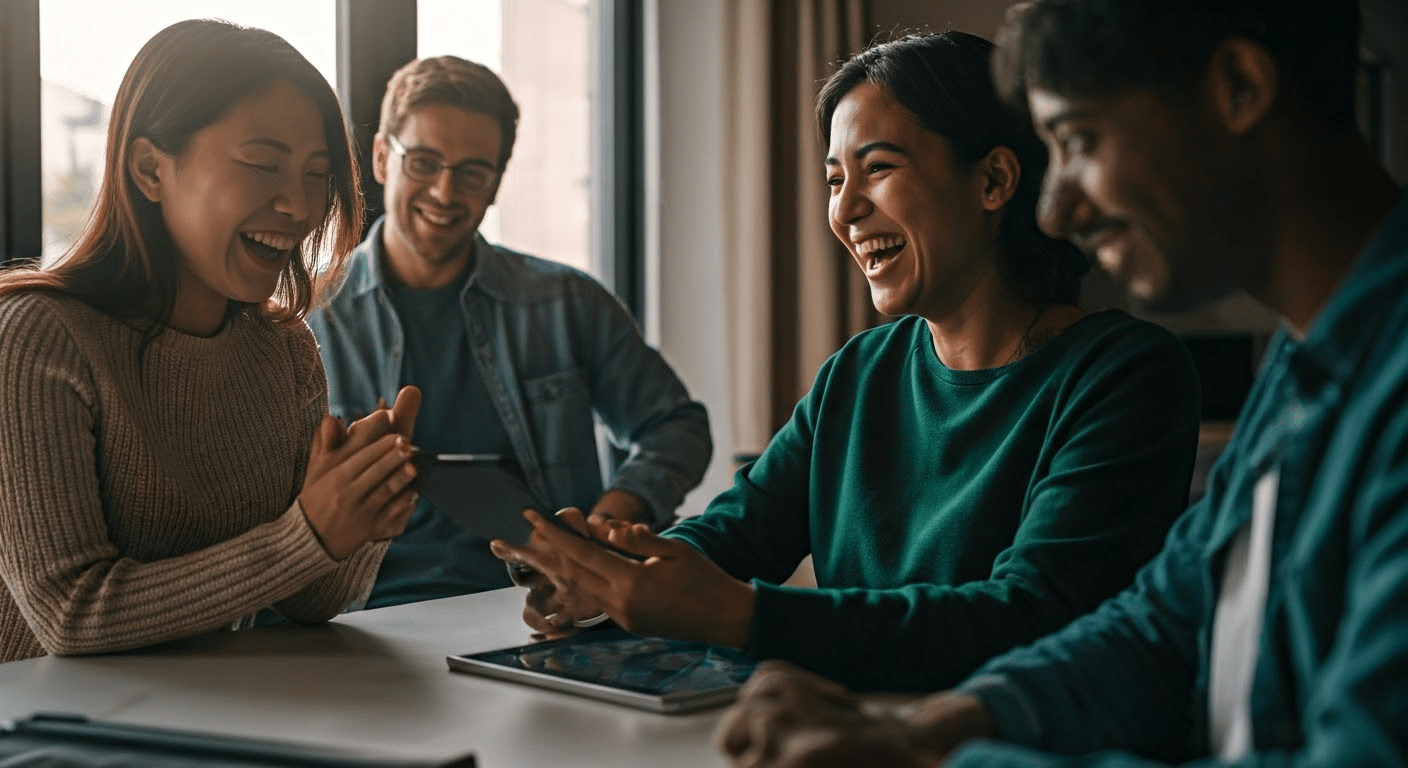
x,y
439,218
270,246
877,252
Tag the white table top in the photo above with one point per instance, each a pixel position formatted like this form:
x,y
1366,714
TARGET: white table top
x,y
373,680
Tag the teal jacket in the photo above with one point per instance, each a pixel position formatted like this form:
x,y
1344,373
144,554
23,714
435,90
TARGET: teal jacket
x,y
951,514
1330,684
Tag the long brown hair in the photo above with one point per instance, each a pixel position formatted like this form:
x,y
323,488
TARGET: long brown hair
x,y
185,78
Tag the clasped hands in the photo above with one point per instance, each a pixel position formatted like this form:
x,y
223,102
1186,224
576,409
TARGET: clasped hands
x,y
359,485
675,591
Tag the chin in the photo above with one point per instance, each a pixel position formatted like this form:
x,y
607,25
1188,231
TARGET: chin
x,y
1176,299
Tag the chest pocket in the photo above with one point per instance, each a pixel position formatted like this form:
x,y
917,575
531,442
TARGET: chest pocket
x,y
560,414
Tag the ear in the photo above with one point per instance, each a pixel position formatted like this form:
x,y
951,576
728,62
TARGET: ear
x,y
145,166
998,175
381,153
494,193
1242,82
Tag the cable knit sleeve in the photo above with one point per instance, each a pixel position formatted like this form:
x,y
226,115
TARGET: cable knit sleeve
x,y
352,580
129,515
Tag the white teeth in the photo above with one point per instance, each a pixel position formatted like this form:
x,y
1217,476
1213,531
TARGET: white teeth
x,y
273,240
879,243
438,220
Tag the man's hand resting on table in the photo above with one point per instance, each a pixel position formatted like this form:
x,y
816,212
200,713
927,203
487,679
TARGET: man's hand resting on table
x,y
786,717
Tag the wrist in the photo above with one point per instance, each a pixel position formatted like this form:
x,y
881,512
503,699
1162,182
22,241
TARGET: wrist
x,y
313,529
617,504
940,723
736,627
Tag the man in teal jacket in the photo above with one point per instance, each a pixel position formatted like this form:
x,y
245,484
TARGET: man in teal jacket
x,y
1200,148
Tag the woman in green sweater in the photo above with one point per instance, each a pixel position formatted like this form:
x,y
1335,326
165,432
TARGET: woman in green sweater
x,y
967,478
167,464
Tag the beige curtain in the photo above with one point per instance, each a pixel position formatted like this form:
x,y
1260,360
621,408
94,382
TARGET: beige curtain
x,y
794,294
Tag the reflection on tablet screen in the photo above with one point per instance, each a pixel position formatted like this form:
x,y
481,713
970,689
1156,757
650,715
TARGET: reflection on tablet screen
x,y
648,665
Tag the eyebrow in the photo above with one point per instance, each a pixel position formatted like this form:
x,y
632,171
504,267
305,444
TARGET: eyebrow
x,y
874,146
279,146
1075,113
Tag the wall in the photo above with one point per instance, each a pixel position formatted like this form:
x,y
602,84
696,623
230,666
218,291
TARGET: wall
x,y
979,17
685,192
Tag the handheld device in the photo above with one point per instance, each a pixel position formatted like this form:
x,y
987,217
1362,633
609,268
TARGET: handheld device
x,y
486,493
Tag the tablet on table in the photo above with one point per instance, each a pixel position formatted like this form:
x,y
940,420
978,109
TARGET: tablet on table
x,y
649,673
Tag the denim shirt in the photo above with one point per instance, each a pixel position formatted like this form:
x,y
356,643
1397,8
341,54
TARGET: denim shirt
x,y
1329,415
555,350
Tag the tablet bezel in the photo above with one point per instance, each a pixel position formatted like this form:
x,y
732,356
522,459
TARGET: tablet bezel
x,y
676,702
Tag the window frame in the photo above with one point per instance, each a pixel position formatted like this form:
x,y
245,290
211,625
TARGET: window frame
x,y
374,38
21,188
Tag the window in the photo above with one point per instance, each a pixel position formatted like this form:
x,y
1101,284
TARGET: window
x,y
540,49
85,47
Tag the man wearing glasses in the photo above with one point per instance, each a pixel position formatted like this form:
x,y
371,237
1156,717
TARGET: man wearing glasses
x,y
514,355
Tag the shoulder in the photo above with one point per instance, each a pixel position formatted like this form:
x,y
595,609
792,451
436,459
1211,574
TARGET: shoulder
x,y
1116,328
297,338
899,336
336,291
881,347
38,307
517,275
34,320
289,346
1113,339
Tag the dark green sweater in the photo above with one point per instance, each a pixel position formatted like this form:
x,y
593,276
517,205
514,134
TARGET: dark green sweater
x,y
953,515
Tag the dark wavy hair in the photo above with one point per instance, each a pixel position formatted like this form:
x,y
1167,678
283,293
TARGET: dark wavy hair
x,y
1101,48
189,76
945,81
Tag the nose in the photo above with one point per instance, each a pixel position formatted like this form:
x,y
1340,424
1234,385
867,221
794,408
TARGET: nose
x,y
292,200
849,203
1062,206
442,188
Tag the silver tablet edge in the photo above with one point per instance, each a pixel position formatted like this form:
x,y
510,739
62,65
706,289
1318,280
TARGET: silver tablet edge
x,y
671,703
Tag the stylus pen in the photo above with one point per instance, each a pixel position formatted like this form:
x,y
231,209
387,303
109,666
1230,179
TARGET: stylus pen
x,y
77,728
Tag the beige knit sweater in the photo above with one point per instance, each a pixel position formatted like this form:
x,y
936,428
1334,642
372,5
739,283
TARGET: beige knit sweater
x,y
143,504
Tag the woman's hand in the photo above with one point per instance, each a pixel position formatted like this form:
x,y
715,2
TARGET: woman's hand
x,y
358,487
675,592
547,610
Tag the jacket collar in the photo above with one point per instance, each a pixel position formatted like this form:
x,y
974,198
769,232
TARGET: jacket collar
x,y
492,272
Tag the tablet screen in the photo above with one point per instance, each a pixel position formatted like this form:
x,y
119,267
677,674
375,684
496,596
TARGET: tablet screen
x,y
615,658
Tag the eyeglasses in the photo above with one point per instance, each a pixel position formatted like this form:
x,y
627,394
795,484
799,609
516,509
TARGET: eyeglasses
x,y
422,166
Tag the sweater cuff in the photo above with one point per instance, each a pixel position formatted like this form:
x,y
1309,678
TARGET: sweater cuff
x,y
658,493
786,621
296,530
1012,712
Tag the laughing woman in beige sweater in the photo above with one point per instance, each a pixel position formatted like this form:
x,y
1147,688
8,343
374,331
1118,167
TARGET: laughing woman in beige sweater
x,y
167,466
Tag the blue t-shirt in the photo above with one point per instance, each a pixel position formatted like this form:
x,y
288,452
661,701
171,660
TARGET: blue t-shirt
x,y
436,556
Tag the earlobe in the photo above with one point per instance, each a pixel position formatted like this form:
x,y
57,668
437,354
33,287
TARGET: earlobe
x,y
144,167
1243,82
1001,172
